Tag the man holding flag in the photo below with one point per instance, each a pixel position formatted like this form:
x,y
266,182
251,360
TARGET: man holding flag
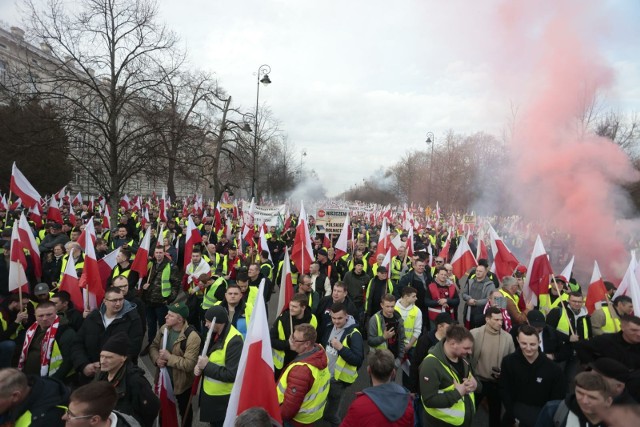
x,y
180,354
219,368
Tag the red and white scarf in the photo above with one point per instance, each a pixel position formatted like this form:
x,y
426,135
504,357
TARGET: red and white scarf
x,y
45,348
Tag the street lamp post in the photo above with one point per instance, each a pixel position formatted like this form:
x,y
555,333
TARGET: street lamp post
x,y
430,141
263,72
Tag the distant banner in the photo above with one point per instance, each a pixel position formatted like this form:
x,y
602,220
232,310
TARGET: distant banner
x,y
269,214
469,219
330,220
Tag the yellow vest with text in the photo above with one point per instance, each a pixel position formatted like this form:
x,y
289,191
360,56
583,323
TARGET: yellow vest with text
x,y
214,387
315,400
453,415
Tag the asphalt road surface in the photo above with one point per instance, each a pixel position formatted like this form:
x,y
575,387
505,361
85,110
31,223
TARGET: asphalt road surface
x,y
362,382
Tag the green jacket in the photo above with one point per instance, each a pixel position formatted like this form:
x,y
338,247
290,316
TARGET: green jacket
x,y
434,378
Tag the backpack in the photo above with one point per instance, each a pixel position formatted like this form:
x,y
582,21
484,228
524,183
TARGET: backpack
x,y
187,332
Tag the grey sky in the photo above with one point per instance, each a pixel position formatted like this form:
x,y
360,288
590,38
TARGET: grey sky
x,y
358,83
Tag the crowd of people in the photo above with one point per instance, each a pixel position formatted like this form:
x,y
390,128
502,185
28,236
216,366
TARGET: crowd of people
x,y
456,344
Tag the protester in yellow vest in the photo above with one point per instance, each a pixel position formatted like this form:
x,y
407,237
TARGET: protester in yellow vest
x,y
412,321
303,387
345,351
23,397
47,346
606,320
547,302
298,313
219,367
447,382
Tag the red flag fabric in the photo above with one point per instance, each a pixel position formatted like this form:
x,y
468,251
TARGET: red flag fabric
x,y
444,252
88,229
22,187
248,229
384,242
463,259
36,216
77,201
256,367
18,264
164,390
302,252
505,262
537,281
70,283
53,214
106,265
410,249
286,284
90,278
106,218
162,209
29,242
139,264
217,219
596,292
191,238
482,250
341,247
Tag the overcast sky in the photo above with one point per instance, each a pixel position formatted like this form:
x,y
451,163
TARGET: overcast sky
x,y
357,84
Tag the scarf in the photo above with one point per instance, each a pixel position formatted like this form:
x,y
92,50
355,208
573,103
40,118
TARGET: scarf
x,y
45,348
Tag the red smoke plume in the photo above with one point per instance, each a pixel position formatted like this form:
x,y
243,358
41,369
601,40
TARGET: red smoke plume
x,y
562,173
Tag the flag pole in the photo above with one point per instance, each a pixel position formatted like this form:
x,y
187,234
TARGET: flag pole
x,y
564,309
195,387
6,217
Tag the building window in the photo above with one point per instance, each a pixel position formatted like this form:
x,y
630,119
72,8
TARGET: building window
x,y
3,70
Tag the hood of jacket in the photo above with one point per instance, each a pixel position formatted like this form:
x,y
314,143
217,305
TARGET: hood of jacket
x,y
126,308
316,357
390,398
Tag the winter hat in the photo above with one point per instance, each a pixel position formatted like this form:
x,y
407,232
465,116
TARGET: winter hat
x,y
219,313
179,308
536,318
118,344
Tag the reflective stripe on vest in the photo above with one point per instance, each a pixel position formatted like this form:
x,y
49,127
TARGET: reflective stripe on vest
x,y
611,325
453,415
278,355
225,264
344,371
214,387
379,321
396,268
165,287
266,264
315,400
366,296
209,299
409,323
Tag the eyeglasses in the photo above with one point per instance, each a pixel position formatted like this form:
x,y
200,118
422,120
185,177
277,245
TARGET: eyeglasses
x,y
70,415
439,262
115,300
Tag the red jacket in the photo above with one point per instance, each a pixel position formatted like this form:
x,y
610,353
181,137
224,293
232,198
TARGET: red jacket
x,y
394,400
299,382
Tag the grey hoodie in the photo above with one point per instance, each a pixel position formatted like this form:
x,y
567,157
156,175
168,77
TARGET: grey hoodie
x,y
332,353
390,398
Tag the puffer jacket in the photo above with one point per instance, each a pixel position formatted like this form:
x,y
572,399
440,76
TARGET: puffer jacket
x,y
180,362
92,335
300,381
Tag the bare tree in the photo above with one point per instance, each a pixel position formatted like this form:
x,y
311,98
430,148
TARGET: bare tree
x,y
102,62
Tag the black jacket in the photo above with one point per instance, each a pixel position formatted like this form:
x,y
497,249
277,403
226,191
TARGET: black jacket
x,y
609,345
92,335
421,350
323,313
277,343
43,400
527,383
135,395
